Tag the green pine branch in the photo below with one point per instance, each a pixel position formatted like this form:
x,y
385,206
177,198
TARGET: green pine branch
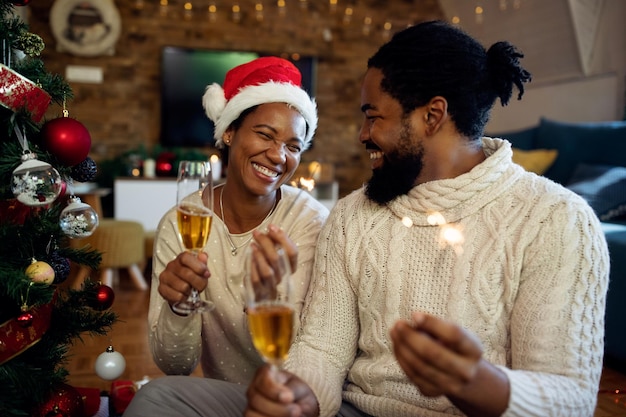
x,y
31,233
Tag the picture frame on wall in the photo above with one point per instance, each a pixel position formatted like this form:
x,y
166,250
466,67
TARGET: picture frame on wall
x,y
85,27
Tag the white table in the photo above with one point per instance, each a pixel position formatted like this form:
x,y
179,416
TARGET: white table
x,y
144,200
147,199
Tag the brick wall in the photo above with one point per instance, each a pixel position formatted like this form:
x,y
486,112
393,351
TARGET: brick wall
x,y
123,112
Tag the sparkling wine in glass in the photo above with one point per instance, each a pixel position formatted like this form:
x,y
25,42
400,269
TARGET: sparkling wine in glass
x,y
194,215
269,306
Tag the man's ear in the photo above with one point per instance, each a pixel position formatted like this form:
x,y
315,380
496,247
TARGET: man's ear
x,y
436,114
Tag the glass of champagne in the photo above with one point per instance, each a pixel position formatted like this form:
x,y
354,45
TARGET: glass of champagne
x,y
269,305
194,215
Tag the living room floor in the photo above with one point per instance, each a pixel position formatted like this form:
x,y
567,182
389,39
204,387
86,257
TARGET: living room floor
x,y
130,337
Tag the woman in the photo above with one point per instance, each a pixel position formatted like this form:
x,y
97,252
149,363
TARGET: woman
x,y
266,120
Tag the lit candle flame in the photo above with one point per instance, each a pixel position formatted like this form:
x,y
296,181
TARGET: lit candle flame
x,y
307,184
314,170
303,184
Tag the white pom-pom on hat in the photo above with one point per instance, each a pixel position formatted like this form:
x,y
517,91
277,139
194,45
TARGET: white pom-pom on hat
x,y
263,80
214,101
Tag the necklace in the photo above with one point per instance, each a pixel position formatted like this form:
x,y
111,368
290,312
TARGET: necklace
x,y
234,248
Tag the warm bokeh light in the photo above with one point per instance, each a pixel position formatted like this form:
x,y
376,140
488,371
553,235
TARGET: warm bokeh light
x,y
307,184
435,218
407,222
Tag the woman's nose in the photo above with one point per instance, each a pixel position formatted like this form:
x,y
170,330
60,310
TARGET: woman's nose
x,y
277,152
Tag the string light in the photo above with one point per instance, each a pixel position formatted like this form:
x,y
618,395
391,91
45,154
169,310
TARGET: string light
x,y
188,10
212,11
367,25
282,10
347,16
236,13
163,9
251,11
333,6
386,30
258,11
478,11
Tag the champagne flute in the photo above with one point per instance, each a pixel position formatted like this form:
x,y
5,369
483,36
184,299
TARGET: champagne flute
x,y
269,305
194,214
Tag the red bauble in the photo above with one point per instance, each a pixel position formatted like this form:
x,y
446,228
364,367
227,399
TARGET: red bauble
x,y
25,319
67,139
165,164
64,401
104,298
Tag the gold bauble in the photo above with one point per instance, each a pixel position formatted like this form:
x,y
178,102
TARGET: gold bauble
x,y
40,271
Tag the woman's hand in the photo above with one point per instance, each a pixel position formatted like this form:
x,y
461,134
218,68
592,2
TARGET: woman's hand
x,y
180,275
279,393
272,240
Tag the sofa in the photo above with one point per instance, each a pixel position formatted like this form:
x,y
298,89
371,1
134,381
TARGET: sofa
x,y
590,159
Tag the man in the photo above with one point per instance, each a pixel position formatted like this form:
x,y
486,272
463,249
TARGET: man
x,y
505,318
454,282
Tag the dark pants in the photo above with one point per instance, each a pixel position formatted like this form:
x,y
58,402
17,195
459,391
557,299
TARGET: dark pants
x,y
186,396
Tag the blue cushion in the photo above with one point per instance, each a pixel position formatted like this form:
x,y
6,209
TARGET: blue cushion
x,y
603,187
521,139
602,143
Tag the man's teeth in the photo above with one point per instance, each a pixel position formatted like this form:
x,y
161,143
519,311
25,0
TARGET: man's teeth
x,y
376,155
265,171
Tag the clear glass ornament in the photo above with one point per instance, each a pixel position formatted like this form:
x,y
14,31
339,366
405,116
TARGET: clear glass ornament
x,y
35,183
78,219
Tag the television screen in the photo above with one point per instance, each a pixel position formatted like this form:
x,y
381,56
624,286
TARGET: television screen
x,y
185,73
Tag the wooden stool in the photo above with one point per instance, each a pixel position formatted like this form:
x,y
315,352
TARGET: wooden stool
x,y
121,243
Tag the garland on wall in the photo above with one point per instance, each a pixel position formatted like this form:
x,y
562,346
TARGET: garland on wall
x,y
367,18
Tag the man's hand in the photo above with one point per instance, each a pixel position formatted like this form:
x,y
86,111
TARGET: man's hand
x,y
274,393
439,357
442,358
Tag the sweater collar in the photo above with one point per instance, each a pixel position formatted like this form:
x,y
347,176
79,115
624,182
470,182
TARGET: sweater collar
x,y
462,196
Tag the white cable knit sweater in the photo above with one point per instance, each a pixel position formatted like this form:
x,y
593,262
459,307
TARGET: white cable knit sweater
x,y
530,282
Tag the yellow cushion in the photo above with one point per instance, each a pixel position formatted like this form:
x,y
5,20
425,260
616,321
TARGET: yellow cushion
x,y
536,160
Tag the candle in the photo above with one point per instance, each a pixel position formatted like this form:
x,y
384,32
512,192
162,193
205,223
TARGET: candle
x,y
149,168
315,169
216,167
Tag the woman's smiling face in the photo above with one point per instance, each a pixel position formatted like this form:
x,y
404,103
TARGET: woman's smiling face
x,y
265,150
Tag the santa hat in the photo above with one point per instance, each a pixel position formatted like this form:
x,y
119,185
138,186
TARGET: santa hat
x,y
263,80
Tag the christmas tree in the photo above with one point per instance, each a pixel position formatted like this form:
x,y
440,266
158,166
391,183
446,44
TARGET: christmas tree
x,y
39,159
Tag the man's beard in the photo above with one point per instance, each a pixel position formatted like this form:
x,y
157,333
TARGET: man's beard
x,y
397,175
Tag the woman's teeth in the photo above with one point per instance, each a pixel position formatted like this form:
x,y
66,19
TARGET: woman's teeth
x,y
265,171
